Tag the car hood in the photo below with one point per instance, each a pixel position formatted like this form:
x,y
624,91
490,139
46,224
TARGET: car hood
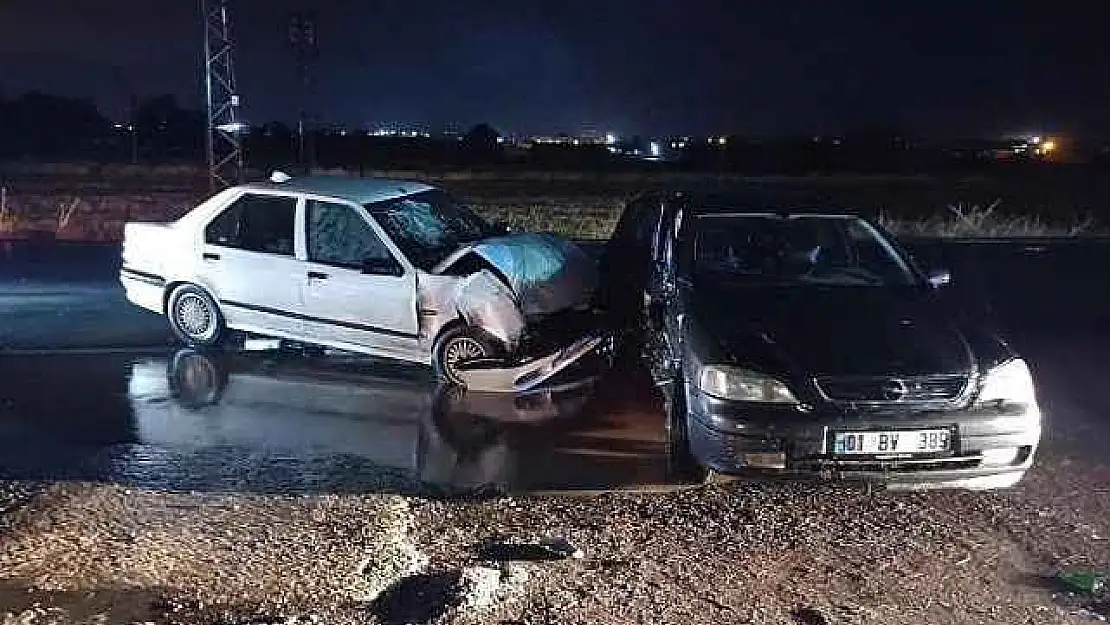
x,y
546,273
831,331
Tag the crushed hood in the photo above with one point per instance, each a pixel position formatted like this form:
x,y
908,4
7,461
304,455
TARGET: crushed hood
x,y
546,273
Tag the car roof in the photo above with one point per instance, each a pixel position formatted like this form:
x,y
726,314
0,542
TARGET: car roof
x,y
358,190
755,199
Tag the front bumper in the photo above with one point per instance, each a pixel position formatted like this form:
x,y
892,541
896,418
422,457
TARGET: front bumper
x,y
734,438
528,373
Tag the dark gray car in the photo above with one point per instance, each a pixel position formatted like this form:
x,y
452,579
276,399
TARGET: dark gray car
x,y
799,338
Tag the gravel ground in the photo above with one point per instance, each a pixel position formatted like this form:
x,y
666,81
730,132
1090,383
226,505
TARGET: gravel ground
x,y
756,553
107,553
740,552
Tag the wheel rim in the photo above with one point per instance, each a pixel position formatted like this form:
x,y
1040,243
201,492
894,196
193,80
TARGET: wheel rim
x,y
461,350
194,316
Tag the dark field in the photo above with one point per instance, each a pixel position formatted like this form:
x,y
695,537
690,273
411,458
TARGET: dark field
x,y
86,204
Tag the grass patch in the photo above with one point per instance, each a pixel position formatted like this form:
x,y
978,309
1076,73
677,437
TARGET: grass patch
x,y
964,220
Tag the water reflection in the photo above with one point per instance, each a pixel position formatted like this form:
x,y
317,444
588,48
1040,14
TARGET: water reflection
x,y
274,421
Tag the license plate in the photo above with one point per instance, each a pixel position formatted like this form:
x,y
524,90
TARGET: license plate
x,y
892,442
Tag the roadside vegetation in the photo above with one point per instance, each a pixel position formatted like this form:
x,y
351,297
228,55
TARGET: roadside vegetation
x,y
94,208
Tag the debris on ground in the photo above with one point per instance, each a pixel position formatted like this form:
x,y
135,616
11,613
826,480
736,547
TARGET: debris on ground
x,y
1087,582
544,549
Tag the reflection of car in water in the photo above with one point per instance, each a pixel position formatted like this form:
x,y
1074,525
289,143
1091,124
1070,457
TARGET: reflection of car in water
x,y
389,268
398,418
798,337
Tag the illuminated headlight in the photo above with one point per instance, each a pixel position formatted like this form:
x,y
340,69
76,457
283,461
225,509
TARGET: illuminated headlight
x,y
743,385
1008,383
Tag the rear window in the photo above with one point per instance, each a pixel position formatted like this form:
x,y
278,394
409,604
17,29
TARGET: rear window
x,y
256,223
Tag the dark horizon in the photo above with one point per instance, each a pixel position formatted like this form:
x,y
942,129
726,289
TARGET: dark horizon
x,y
698,67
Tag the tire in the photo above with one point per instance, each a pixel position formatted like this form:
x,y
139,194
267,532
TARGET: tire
x,y
682,465
459,344
197,379
195,318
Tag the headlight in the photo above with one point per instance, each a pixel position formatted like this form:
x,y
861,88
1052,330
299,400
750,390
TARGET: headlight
x,y
1009,382
743,385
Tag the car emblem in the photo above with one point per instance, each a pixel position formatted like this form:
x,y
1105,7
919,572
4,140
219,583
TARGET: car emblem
x,y
894,389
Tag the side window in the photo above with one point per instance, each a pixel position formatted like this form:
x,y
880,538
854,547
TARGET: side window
x,y
337,235
256,223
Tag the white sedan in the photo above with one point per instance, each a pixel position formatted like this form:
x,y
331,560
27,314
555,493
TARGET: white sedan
x,y
383,267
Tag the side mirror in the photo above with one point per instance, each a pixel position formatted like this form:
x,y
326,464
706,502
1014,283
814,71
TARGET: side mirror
x,y
939,277
381,266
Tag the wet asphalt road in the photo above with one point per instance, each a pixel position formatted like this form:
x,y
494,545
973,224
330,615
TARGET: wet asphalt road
x,y
131,408
273,421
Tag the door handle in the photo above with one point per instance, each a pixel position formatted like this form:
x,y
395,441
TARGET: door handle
x,y
210,256
318,275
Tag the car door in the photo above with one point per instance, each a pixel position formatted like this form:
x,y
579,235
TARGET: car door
x,y
357,292
248,262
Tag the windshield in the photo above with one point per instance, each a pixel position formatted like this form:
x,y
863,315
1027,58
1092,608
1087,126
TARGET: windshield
x,y
428,226
799,250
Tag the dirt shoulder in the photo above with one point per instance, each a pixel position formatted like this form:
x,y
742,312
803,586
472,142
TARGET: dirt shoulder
x,y
742,552
786,554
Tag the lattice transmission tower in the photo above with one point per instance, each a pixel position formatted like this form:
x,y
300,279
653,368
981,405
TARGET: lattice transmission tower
x,y
222,139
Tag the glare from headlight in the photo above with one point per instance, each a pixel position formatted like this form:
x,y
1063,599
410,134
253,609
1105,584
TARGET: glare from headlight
x,y
1009,382
743,385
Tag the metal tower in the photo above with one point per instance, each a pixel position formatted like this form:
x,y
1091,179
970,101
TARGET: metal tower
x,y
222,143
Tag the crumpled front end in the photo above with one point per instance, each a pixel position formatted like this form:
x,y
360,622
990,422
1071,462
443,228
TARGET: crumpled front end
x,y
532,292
546,273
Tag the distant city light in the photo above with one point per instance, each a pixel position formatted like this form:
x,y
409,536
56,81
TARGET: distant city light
x,y
655,148
722,140
610,138
1048,146
1036,139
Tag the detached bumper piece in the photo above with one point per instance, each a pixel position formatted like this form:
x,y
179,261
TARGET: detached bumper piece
x,y
529,373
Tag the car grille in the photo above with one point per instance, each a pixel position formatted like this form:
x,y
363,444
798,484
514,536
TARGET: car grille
x,y
895,390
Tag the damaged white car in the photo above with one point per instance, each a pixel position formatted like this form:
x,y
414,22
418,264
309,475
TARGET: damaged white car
x,y
389,268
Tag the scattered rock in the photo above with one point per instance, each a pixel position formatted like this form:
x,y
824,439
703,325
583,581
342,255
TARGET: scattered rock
x,y
480,586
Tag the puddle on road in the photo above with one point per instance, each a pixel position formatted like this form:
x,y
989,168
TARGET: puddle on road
x,y
280,422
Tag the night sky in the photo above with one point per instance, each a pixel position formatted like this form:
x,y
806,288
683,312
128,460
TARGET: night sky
x,y
631,66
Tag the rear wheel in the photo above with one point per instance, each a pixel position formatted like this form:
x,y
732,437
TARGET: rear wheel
x,y
457,346
195,317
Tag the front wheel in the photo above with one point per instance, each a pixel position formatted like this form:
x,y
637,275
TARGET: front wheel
x,y
195,317
457,346
682,465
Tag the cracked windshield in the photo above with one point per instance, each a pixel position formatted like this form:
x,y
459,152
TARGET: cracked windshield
x,y
666,312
